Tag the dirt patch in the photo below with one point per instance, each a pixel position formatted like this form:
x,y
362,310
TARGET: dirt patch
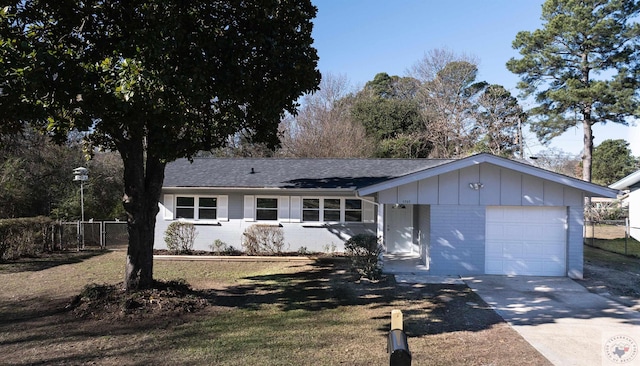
x,y
612,275
112,302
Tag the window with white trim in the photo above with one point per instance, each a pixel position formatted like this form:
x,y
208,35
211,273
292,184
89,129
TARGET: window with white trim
x,y
207,208
352,210
185,207
310,209
267,208
196,207
332,210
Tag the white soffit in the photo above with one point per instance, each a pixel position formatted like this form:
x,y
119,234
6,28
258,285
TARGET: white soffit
x,y
627,181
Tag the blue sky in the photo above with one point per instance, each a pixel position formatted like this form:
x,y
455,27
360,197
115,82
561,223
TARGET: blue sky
x,y
360,38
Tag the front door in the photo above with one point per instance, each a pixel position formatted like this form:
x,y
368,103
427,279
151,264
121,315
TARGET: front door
x,y
399,229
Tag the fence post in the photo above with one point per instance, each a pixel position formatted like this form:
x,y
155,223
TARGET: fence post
x,y
103,244
79,235
626,234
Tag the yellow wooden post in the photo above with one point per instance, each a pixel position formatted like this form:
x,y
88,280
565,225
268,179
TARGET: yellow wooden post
x,y
396,319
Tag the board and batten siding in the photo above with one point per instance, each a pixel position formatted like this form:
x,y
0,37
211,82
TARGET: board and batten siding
x,y
501,187
457,240
236,212
457,213
634,213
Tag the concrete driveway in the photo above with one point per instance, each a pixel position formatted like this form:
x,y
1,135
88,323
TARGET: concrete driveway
x,y
562,320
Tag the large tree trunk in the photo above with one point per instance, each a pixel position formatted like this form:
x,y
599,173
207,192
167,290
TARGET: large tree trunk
x,y
588,146
143,184
587,123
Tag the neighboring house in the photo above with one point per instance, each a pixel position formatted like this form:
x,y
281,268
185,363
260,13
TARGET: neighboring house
x,y
631,183
478,215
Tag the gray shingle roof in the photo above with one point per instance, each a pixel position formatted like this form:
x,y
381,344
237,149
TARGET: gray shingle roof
x,y
290,173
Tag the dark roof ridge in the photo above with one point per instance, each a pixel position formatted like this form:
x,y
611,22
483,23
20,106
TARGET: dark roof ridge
x,y
329,173
296,158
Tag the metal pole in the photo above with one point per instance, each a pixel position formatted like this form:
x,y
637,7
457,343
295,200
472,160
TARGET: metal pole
x,y
82,199
82,211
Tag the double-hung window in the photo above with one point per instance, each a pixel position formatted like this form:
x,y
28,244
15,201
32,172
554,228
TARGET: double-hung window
x,y
352,210
310,209
332,210
266,209
196,208
185,207
207,208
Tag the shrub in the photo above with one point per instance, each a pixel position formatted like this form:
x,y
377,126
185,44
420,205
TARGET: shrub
x,y
263,239
602,211
330,248
180,236
25,237
364,251
230,250
218,246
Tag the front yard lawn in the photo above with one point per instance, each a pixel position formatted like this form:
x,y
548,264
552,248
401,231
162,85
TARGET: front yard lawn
x,y
276,313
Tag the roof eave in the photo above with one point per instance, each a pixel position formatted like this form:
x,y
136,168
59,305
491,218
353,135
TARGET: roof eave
x,y
256,188
627,181
590,189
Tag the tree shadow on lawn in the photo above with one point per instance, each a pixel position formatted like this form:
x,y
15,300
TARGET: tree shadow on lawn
x,y
62,339
48,260
427,308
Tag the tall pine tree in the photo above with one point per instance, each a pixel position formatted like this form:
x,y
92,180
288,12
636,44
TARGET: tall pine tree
x,y
582,67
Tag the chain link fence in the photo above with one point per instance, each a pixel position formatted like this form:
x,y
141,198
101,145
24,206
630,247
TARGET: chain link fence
x,y
94,234
611,235
606,226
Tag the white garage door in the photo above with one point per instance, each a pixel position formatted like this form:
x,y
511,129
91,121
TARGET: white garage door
x,y
526,241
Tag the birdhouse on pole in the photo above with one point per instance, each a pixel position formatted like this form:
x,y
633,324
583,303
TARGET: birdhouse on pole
x,y
80,174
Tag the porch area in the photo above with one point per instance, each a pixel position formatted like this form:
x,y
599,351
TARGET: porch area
x,y
403,263
408,269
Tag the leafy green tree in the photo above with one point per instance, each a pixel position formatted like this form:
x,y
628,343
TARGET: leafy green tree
x,y
385,118
387,109
612,161
405,146
499,120
14,193
582,67
36,173
155,81
36,179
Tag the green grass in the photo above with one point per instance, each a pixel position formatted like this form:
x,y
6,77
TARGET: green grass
x,y
260,313
620,245
274,337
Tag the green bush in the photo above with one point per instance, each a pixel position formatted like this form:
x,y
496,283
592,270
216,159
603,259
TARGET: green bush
x,y
263,240
218,246
27,237
364,251
180,236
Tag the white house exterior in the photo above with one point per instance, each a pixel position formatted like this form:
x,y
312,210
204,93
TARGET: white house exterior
x,y
631,183
478,215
